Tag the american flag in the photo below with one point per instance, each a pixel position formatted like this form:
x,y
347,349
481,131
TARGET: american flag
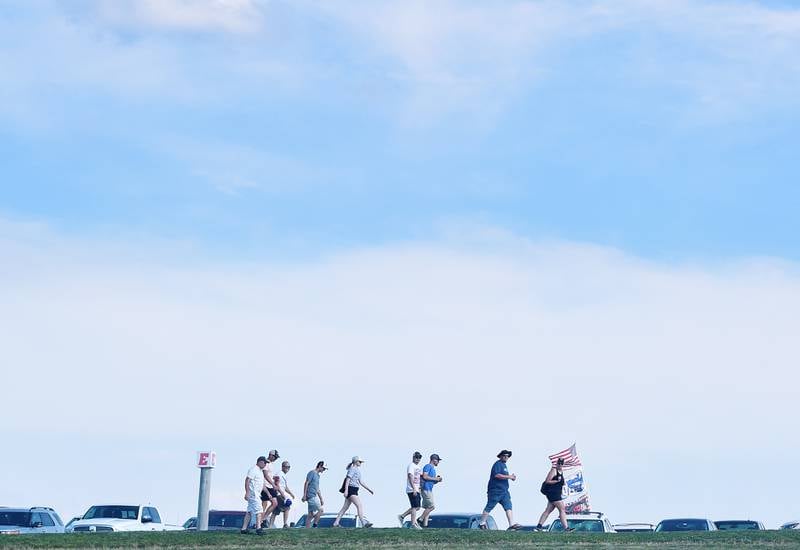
x,y
570,457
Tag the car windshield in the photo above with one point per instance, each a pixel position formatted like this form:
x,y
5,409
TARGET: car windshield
x,y
229,519
736,525
682,525
17,519
590,525
118,512
449,522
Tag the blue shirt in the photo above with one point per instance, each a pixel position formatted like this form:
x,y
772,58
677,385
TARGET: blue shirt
x,y
313,484
429,470
498,486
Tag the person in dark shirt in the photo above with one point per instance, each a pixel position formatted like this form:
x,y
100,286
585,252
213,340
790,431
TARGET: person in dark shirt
x,y
552,488
497,491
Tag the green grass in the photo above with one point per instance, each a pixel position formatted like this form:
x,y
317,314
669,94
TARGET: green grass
x,y
440,539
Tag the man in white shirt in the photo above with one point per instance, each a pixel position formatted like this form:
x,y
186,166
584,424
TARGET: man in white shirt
x,y
253,484
413,473
284,503
269,496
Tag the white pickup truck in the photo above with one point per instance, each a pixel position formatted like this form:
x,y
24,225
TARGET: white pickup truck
x,y
106,518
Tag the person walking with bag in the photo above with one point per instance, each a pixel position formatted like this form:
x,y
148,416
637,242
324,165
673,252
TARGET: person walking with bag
x,y
352,482
553,488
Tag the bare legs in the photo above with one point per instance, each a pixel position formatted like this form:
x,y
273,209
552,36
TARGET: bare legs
x,y
425,515
562,514
352,499
246,523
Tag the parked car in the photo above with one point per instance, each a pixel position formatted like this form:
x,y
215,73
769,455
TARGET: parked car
x,y
685,524
27,521
190,524
70,522
590,522
456,521
326,520
791,525
120,517
219,520
739,525
634,527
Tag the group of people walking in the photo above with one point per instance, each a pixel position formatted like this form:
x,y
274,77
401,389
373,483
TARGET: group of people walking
x,y
268,495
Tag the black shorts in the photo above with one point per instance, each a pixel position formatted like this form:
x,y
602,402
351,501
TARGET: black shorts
x,y
351,491
273,493
415,499
265,496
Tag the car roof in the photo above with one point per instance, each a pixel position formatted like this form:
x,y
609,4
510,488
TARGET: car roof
x,y
685,519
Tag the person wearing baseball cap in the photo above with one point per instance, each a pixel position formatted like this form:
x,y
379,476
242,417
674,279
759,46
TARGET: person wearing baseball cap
x,y
497,491
350,486
312,495
429,479
253,483
284,502
413,474
269,496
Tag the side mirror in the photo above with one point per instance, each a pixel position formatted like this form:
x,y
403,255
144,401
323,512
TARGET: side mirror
x,y
147,519
36,524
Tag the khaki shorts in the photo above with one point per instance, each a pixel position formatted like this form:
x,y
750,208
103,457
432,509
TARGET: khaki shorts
x,y
314,505
427,499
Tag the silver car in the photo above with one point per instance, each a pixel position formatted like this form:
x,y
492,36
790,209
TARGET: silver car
x,y
25,521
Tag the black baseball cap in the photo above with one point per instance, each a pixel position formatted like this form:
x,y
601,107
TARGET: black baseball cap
x,y
434,456
274,453
261,459
321,464
417,454
504,452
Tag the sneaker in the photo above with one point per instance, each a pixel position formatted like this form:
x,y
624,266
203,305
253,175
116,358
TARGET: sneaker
x,y
259,531
401,518
538,528
416,526
482,526
244,531
367,525
514,527
569,529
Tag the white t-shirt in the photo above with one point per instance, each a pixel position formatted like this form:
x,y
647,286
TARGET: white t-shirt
x,y
281,480
256,483
354,476
415,471
267,473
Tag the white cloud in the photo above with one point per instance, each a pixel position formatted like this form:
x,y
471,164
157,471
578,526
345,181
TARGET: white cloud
x,y
193,15
418,61
495,342
728,58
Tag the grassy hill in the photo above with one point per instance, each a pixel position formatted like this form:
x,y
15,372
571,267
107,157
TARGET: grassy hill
x,y
442,539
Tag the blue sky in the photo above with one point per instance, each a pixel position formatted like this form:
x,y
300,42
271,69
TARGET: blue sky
x,y
591,206
294,126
